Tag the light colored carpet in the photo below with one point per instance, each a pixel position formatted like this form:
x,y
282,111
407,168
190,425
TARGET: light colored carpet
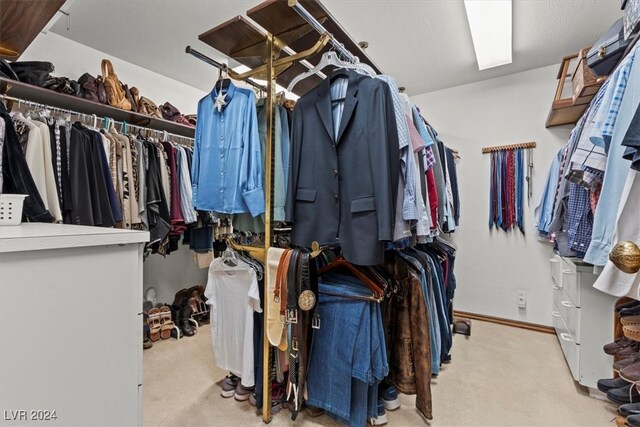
x,y
501,376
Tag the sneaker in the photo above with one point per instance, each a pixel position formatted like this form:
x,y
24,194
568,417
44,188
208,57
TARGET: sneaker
x,y
243,393
229,384
389,397
381,419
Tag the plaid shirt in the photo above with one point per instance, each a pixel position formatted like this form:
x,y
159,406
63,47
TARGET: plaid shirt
x,y
579,218
409,209
606,117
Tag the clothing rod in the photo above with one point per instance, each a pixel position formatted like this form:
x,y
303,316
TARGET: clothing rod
x,y
219,65
508,147
88,116
316,25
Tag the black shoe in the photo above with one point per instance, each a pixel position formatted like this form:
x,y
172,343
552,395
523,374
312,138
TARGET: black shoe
x,y
631,311
629,409
633,420
604,385
184,324
622,395
630,304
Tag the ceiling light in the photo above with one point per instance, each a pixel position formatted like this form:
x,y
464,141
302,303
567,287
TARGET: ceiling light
x,y
490,22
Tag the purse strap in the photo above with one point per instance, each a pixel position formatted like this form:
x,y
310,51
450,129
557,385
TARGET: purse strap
x,y
107,68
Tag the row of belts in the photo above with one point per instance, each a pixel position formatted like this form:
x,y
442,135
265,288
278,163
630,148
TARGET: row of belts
x,y
302,291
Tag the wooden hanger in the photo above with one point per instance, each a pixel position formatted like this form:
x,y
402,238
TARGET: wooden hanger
x,y
340,261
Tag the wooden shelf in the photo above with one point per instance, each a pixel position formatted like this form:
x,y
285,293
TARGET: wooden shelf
x,y
241,40
68,102
278,18
21,21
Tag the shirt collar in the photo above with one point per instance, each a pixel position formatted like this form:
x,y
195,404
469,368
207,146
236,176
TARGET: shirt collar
x,y
231,90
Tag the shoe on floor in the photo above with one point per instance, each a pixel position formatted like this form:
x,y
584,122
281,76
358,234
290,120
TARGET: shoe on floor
x,y
622,395
228,387
243,393
314,412
381,419
614,347
633,420
629,409
604,385
389,396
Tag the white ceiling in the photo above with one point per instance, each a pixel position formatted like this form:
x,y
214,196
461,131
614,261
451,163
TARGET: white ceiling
x,y
425,44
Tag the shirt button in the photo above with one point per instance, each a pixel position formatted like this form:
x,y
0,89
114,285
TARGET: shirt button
x,y
222,156
335,196
335,172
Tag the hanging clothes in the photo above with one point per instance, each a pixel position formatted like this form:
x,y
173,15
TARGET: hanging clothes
x,y
233,294
227,171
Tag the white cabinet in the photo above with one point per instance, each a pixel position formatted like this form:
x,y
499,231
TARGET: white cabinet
x,y
70,324
582,318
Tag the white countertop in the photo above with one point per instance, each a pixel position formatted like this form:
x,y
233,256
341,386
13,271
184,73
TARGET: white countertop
x,y
40,236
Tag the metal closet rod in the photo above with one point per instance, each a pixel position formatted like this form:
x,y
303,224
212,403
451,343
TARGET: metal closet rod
x,y
220,66
88,116
304,13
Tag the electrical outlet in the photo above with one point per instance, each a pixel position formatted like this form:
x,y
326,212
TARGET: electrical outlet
x,y
522,299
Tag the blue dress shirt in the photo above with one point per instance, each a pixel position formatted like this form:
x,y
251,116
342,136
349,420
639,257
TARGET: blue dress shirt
x,y
227,159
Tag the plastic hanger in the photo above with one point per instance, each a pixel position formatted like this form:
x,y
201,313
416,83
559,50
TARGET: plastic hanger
x,y
331,58
229,257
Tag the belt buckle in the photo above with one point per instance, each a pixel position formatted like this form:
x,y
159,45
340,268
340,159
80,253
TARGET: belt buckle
x,y
315,322
294,346
276,299
292,315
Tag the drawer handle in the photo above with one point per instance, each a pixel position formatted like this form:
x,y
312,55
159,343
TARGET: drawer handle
x,y
555,261
566,337
567,304
555,313
556,288
567,272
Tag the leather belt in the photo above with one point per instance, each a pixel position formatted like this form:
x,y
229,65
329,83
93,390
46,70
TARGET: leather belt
x,y
302,292
280,292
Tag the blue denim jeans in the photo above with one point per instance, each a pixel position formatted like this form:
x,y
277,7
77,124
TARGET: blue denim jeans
x,y
348,356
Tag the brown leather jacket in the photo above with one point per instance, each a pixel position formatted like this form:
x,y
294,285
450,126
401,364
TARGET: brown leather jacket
x,y
408,339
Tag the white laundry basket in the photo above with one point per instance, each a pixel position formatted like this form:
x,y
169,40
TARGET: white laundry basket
x,y
11,208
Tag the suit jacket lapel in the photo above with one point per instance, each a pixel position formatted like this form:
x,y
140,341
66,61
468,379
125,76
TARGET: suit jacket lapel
x,y
323,105
349,103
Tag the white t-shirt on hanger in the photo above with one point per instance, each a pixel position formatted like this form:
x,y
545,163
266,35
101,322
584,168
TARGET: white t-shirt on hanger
x,y
233,294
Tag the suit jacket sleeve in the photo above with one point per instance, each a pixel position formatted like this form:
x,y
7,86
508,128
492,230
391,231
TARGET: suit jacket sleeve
x,y
384,158
294,162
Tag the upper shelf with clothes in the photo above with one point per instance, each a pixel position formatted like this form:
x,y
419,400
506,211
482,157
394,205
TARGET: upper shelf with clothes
x,y
81,105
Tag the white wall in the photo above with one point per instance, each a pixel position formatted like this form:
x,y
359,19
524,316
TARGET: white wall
x,y
73,59
171,273
493,265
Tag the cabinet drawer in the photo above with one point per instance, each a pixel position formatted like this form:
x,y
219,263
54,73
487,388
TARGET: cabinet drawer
x,y
570,314
556,268
571,352
557,296
571,284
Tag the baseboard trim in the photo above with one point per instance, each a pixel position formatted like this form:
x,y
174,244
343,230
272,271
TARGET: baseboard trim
x,y
507,322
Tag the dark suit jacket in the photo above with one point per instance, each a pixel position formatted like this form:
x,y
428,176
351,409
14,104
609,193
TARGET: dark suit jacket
x,y
344,191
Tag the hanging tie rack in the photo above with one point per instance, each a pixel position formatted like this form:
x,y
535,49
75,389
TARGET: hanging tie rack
x,y
508,147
